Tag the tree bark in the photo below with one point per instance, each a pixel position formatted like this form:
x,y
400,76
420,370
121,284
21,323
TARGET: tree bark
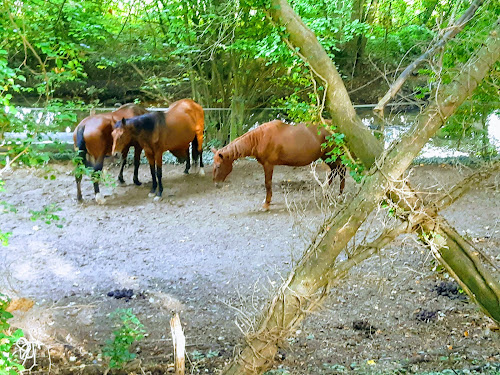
x,y
359,139
450,34
370,16
311,279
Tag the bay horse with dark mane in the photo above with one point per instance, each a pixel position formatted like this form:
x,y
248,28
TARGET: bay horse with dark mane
x,y
277,143
92,137
156,132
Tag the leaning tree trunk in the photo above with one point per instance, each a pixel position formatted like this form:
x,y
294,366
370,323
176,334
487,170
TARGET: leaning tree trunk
x,y
309,282
362,142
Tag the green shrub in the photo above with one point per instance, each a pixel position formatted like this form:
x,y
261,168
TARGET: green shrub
x,y
128,330
8,360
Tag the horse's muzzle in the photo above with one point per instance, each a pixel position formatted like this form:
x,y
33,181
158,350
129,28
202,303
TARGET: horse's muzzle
x,y
218,184
116,154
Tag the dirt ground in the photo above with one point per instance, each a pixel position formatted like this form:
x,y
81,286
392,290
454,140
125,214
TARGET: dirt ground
x,y
213,256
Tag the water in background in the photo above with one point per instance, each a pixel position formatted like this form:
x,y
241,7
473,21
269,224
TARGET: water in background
x,y
392,127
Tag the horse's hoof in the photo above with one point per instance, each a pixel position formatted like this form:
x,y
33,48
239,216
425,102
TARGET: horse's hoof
x,y
265,207
137,182
157,199
201,172
121,180
99,199
151,195
186,171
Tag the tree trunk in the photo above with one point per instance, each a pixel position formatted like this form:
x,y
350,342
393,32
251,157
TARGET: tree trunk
x,y
359,139
368,19
237,101
310,281
351,48
429,6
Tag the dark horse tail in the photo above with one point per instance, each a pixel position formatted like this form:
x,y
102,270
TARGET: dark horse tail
x,y
194,148
196,155
80,143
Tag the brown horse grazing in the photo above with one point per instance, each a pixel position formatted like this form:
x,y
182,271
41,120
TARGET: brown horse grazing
x,y
277,143
92,136
157,132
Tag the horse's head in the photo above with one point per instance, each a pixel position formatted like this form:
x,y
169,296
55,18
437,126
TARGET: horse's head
x,y
122,135
223,165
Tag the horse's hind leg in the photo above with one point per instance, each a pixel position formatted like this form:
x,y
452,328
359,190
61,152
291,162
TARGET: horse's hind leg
x,y
82,154
198,160
199,149
194,153
151,160
158,161
124,160
137,162
337,169
97,174
202,172
342,172
78,187
188,162
78,179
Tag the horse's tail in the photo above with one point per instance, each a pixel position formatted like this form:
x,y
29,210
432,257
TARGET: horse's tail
x,y
200,126
80,143
194,149
197,154
194,144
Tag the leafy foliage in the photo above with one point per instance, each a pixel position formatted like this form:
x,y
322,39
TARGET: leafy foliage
x,y
9,363
4,236
80,170
47,215
339,150
221,53
128,331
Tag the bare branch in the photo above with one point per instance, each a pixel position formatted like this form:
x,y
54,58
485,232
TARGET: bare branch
x,y
450,34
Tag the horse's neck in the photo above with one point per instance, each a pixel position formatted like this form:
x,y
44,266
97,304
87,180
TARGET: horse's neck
x,y
242,147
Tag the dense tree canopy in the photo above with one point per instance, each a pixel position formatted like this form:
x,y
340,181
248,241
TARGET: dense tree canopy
x,y
227,54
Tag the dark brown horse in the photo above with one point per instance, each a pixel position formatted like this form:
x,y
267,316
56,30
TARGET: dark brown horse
x,y
158,132
277,143
92,136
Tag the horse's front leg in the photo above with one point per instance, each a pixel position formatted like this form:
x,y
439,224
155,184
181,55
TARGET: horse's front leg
x,y
268,172
79,174
151,160
124,160
137,162
97,175
158,160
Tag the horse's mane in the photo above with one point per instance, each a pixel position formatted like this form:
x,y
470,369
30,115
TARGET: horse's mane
x,y
147,121
238,149
250,133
